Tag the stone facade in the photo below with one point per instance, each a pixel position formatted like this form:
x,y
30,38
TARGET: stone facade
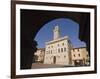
x,y
60,51
80,56
39,55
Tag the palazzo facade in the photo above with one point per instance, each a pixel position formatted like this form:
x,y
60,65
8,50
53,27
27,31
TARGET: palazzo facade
x,y
60,51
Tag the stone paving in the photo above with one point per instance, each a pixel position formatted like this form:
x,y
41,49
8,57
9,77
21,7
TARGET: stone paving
x,y
39,65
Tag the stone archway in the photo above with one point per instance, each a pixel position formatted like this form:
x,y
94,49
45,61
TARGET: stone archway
x,y
78,62
33,20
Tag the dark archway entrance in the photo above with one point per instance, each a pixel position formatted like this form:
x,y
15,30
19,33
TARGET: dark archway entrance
x,y
54,60
78,62
33,20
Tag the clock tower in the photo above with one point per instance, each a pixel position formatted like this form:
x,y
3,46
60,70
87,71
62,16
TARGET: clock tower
x,y
56,32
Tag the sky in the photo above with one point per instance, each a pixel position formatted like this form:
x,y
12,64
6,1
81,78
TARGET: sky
x,y
67,27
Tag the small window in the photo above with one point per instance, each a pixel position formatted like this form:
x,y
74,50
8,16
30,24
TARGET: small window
x,y
63,44
77,49
64,56
73,50
79,55
58,44
74,55
48,47
65,49
61,49
51,51
87,55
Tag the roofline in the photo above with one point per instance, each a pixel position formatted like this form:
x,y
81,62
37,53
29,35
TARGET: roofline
x,y
59,39
41,48
72,48
78,47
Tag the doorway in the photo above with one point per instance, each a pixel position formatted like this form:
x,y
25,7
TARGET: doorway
x,y
78,62
54,60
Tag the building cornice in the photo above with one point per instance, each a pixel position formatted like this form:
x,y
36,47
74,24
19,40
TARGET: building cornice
x,y
78,48
41,49
56,40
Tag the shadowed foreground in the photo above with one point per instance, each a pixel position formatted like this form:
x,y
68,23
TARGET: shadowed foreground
x,y
39,65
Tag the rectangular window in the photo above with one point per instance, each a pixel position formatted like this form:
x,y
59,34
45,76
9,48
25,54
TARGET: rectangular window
x,y
63,44
79,55
64,49
74,55
61,49
58,44
51,51
78,50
